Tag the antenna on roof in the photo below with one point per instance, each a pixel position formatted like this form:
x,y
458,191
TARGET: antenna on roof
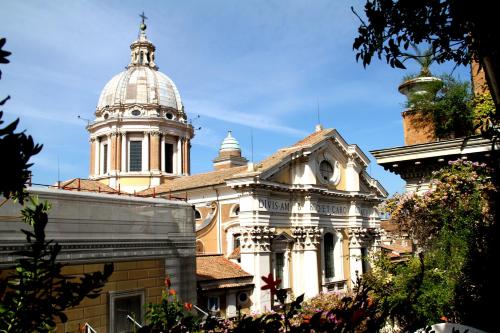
x,y
84,119
318,126
58,171
251,142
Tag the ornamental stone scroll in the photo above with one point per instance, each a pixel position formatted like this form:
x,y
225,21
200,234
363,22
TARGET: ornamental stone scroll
x,y
306,237
256,239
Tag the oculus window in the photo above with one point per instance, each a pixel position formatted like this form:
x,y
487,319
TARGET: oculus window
x,y
326,170
135,157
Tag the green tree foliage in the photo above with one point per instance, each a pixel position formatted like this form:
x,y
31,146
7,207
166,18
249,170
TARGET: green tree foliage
x,y
16,149
454,30
452,226
450,108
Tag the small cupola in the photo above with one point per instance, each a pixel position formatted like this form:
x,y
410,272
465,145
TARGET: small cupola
x,y
229,154
143,51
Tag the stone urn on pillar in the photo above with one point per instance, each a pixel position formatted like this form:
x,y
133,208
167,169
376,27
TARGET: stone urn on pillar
x,y
419,126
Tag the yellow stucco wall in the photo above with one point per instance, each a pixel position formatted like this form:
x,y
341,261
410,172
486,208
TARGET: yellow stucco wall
x,y
148,275
208,235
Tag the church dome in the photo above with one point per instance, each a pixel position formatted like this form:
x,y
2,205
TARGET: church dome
x,y
140,85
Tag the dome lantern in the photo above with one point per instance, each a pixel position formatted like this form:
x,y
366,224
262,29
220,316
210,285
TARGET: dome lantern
x,y
229,154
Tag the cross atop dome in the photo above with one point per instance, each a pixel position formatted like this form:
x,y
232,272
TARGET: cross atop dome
x,y
143,24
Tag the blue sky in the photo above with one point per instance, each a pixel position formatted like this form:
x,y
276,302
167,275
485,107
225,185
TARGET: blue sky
x,y
259,67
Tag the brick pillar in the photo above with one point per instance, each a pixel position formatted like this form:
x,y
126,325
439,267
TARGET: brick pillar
x,y
92,156
112,152
155,151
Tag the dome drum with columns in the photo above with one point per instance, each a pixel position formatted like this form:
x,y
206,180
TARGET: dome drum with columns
x,y
140,137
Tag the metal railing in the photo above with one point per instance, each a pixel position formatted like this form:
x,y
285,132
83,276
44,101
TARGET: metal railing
x,y
134,321
88,329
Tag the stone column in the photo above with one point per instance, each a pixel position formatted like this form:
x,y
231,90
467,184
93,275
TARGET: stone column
x,y
97,154
185,156
118,151
178,155
145,152
162,153
356,236
256,260
112,153
306,241
188,156
92,156
123,155
155,151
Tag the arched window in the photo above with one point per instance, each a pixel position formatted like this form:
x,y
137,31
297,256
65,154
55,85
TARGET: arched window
x,y
235,211
197,214
328,250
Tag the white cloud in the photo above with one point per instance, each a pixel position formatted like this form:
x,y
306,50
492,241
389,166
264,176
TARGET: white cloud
x,y
258,119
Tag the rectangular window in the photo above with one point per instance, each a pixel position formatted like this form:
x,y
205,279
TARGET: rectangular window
x,y
135,156
104,158
213,303
123,304
280,266
328,252
169,157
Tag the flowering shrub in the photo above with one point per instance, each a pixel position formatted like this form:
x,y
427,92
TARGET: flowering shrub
x,y
170,315
452,225
326,300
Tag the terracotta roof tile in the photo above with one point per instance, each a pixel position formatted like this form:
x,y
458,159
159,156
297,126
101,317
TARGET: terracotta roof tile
x,y
216,267
313,138
397,248
389,226
198,180
235,254
220,176
87,185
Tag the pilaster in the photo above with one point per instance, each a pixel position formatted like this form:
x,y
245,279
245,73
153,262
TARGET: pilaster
x,y
256,260
305,260
92,155
112,152
155,150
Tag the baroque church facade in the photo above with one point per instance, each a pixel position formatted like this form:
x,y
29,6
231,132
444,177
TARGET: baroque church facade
x,y
306,214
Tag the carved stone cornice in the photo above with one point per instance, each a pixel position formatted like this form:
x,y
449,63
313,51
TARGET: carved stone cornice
x,y
306,237
73,251
256,239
